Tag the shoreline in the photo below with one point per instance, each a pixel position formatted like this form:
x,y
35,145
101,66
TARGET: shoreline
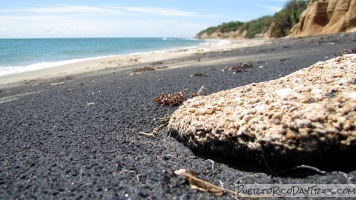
x,y
123,62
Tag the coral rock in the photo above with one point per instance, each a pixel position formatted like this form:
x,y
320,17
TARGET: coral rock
x,y
307,117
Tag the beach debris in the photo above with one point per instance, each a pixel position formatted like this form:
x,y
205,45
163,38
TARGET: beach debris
x,y
177,98
264,50
143,69
163,122
240,67
171,99
139,70
133,60
91,104
200,54
316,170
157,63
346,51
66,78
284,59
199,74
32,82
199,93
202,186
60,83
147,134
140,179
163,67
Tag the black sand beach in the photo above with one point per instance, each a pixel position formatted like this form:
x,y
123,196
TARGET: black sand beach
x,y
78,136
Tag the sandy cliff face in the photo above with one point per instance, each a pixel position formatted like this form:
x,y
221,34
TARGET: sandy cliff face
x,y
325,17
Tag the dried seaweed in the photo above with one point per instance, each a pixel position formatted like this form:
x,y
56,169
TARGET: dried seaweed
x,y
199,74
284,59
66,78
163,67
157,63
344,52
171,99
241,67
32,82
133,60
143,69
203,186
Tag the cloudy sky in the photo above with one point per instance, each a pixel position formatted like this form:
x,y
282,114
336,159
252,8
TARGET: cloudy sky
x,y
124,18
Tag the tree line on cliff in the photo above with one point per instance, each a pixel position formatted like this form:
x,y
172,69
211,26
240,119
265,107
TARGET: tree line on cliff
x,y
277,25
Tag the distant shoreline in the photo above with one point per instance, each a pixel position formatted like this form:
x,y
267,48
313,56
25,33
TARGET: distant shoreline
x,y
22,55
122,61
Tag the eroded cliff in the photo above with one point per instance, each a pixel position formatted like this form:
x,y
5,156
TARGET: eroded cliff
x,y
326,17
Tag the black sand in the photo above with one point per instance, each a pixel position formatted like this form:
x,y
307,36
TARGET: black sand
x,y
80,139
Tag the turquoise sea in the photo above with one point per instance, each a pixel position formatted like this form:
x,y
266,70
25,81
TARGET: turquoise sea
x,y
21,55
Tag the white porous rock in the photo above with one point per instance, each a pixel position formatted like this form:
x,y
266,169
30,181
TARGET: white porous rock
x,y
310,110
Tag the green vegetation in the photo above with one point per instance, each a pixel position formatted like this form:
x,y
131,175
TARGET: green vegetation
x,y
223,28
258,26
209,30
286,18
231,26
280,24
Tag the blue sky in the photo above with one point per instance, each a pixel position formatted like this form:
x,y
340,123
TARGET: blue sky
x,y
124,18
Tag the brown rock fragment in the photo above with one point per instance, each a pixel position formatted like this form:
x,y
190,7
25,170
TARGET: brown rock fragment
x,y
278,127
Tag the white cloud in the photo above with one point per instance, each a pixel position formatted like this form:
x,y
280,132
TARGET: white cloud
x,y
272,8
63,9
160,11
88,21
68,9
48,26
107,10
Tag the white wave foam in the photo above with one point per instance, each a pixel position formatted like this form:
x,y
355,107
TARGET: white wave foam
x,y
4,71
10,70
212,42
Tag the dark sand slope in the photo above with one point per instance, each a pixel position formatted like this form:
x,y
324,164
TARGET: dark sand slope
x,y
79,139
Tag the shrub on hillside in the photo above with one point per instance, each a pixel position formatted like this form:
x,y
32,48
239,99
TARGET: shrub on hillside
x,y
258,26
224,28
282,22
230,26
285,19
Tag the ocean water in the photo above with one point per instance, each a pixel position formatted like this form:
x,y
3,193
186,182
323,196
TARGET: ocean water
x,y
21,55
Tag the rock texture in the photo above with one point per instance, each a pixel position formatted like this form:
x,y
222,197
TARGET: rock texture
x,y
326,17
307,117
